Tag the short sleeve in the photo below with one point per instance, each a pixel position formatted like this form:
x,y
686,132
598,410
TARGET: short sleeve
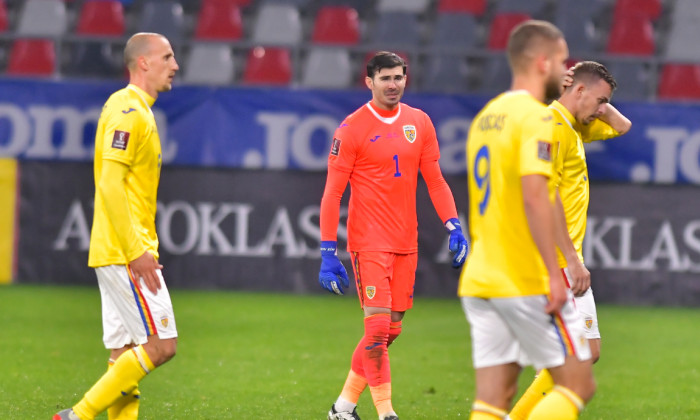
x,y
431,149
536,143
343,153
597,130
121,134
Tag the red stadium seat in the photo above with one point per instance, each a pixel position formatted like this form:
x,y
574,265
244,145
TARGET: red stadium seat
x,y
648,8
475,7
632,34
268,66
219,19
336,25
3,16
32,57
680,81
101,17
501,25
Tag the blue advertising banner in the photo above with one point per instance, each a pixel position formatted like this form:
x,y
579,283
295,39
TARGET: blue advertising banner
x,y
292,128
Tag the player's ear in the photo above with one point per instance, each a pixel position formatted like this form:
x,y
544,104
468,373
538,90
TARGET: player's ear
x,y
142,63
369,82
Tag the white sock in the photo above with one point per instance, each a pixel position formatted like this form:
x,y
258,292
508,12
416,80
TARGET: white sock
x,y
341,404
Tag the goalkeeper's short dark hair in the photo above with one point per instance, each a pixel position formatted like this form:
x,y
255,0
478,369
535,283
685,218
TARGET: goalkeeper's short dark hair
x,y
384,60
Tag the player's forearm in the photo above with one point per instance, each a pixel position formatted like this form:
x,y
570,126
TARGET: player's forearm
x,y
615,119
561,231
330,204
440,193
113,192
539,213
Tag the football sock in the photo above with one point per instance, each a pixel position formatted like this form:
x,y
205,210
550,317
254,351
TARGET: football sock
x,y
542,384
561,403
353,388
484,411
126,407
375,360
121,379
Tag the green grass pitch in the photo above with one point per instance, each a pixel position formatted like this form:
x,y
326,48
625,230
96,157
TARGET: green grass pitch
x,y
272,356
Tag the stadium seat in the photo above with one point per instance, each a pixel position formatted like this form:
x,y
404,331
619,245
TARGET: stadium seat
x,y
575,18
327,68
447,73
268,66
164,17
45,18
95,59
633,80
209,64
649,8
297,4
530,7
680,81
682,41
495,75
457,30
219,20
475,7
278,24
501,25
3,16
410,6
336,25
396,29
103,17
32,57
631,34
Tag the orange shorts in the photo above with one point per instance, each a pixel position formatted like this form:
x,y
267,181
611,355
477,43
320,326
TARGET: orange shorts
x,y
385,279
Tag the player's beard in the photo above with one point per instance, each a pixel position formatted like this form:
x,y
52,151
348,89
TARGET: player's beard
x,y
552,89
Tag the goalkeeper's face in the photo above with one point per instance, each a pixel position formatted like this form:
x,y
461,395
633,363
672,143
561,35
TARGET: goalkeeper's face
x,y
387,87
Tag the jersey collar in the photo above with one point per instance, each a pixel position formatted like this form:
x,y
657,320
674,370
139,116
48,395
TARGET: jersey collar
x,y
142,93
568,116
387,117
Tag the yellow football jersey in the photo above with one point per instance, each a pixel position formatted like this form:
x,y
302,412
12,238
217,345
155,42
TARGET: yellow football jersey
x,y
510,138
571,171
127,133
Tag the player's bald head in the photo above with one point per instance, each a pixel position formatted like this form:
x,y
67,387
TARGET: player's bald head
x,y
530,39
138,45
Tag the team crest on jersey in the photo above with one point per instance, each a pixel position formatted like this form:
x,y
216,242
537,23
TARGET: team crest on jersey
x,y
410,132
370,291
164,322
589,322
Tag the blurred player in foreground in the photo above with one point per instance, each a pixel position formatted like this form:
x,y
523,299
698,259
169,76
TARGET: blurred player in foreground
x,y
582,114
137,314
379,149
512,289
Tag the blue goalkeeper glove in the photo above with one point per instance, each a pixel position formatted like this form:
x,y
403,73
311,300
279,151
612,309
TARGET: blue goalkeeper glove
x,y
332,274
458,243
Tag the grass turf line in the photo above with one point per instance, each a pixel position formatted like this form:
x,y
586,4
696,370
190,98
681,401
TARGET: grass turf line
x,y
251,356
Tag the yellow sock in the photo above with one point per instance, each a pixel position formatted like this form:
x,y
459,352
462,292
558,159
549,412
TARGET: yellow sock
x,y
381,395
542,384
560,404
126,407
484,411
121,379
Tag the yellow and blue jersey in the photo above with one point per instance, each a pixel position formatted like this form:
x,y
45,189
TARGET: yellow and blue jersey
x,y
571,171
127,133
510,138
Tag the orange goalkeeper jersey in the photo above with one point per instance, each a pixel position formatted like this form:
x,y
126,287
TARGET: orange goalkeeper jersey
x,y
380,153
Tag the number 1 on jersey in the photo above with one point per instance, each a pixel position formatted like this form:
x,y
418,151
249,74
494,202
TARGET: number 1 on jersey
x,y
396,159
482,176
